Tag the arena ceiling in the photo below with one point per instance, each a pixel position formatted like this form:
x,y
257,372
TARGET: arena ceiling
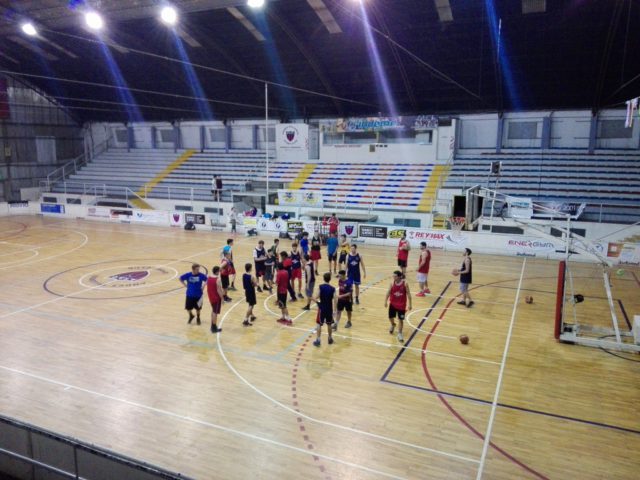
x,y
343,57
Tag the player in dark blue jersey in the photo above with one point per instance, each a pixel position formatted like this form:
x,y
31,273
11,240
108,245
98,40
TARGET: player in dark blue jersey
x,y
354,263
327,304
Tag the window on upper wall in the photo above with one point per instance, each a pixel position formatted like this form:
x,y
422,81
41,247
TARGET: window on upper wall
x,y
523,130
424,137
218,134
407,222
166,135
333,138
121,136
614,129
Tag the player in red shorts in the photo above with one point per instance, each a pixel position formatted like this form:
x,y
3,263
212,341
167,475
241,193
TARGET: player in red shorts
x,y
315,255
296,268
215,294
403,253
282,282
397,297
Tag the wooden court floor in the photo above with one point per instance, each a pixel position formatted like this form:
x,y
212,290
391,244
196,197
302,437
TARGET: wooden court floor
x,y
114,363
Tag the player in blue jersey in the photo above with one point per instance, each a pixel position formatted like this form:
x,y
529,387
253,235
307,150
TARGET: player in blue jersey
x,y
194,281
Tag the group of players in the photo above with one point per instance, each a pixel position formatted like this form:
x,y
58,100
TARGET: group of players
x,y
283,271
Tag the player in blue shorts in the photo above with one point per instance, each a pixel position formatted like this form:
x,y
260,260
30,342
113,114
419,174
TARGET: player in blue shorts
x,y
354,263
327,304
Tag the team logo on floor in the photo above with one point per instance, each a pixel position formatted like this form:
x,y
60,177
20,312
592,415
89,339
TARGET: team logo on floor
x,y
131,276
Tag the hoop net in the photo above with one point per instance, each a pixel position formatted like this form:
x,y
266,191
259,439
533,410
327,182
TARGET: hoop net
x,y
456,225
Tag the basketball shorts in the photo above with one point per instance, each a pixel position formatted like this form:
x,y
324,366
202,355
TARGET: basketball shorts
x,y
342,258
260,269
355,279
250,297
393,312
224,280
217,307
315,255
268,273
464,287
324,317
309,289
345,305
296,273
402,263
333,257
191,303
422,277
282,299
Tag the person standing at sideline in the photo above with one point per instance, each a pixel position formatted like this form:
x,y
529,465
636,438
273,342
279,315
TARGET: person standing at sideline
x,y
332,252
334,223
249,284
403,253
326,299
423,270
233,220
354,263
216,294
216,187
397,297
194,282
466,278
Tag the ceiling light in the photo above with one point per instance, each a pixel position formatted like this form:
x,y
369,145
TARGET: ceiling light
x,y
255,3
169,15
94,20
29,29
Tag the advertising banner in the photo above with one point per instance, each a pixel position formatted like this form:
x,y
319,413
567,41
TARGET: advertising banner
x,y
375,124
120,214
149,216
626,253
51,208
372,231
300,198
99,212
18,205
551,209
530,246
292,141
176,219
250,222
294,227
196,218
349,229
269,225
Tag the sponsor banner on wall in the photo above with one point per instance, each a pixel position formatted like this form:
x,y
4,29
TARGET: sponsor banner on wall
x,y
375,124
51,208
530,247
18,205
195,218
626,253
552,209
396,233
120,214
250,222
348,229
372,231
294,227
176,219
99,212
149,216
292,141
300,198
519,207
435,238
269,225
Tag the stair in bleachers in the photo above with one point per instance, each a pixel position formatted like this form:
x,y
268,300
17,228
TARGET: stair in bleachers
x,y
609,184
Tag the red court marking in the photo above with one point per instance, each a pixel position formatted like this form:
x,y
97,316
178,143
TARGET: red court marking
x,y
300,420
636,277
14,233
453,410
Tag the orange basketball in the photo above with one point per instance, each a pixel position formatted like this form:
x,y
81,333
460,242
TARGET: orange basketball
x,y
528,299
455,272
464,339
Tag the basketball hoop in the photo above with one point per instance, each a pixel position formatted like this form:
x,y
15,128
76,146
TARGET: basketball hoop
x,y
457,223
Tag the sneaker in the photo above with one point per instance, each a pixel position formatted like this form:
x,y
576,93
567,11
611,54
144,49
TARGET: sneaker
x,y
334,327
282,320
393,327
400,338
330,340
253,318
300,296
232,288
246,323
198,320
228,299
293,299
357,301
191,317
271,290
306,307
348,324
316,343
215,329
427,291
470,304
420,294
288,322
259,289
462,302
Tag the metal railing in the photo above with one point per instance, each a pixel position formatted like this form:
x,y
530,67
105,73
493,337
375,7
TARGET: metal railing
x,y
74,165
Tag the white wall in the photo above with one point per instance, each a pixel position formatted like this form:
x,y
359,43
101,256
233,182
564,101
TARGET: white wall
x,y
388,152
570,129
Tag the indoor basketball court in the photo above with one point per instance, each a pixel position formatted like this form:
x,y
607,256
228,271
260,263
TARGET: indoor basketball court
x,y
109,358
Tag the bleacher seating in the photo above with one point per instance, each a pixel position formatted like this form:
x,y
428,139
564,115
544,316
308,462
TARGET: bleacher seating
x,y
389,186
609,184
118,169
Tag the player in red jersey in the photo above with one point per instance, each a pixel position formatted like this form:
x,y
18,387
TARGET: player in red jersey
x,y
282,282
215,294
423,270
403,253
397,298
